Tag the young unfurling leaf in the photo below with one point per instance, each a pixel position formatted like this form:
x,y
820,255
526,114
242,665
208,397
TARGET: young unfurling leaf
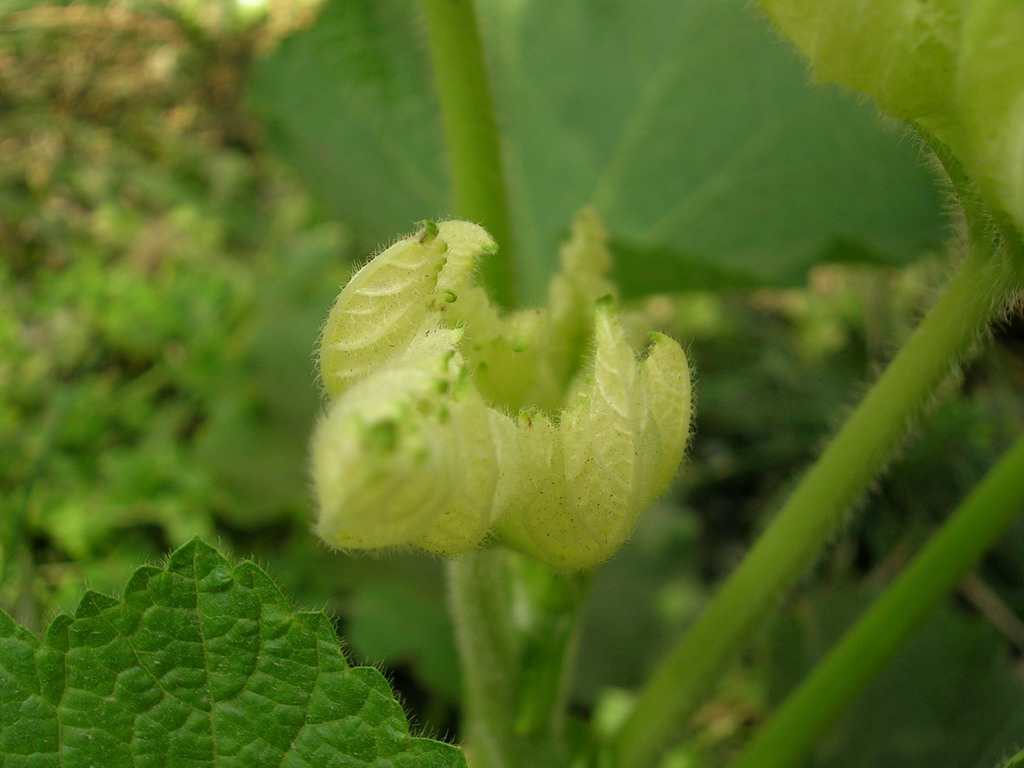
x,y
380,310
406,456
587,479
417,447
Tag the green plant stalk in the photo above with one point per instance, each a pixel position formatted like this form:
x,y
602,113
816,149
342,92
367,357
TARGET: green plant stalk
x,y
555,602
513,716
470,128
958,545
980,289
480,606
1017,761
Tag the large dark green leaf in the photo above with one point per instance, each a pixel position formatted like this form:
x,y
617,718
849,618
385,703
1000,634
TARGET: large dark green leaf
x,y
694,132
200,665
349,102
689,126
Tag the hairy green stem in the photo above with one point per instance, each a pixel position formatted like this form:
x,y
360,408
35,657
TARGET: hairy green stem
x,y
958,545
814,511
1017,761
470,127
552,604
515,628
480,604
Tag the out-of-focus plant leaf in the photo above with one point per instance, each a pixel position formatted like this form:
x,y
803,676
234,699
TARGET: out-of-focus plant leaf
x,y
947,700
255,441
401,621
691,129
687,124
651,584
200,664
644,269
160,292
349,102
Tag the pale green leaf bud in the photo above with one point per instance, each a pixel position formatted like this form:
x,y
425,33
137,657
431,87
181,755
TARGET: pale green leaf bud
x,y
466,244
666,380
585,263
583,279
471,466
417,449
380,309
589,478
528,358
406,456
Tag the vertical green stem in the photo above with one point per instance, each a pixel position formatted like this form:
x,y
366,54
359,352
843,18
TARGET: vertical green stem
x,y
480,603
956,547
515,627
553,604
816,508
471,134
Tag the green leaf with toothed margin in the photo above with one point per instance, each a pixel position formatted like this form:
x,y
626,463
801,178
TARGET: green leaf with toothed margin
x,y
200,664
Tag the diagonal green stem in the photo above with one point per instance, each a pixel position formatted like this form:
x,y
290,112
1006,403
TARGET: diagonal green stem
x,y
956,547
978,292
471,134
1017,761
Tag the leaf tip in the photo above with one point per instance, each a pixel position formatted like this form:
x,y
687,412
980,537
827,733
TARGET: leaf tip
x,y
93,604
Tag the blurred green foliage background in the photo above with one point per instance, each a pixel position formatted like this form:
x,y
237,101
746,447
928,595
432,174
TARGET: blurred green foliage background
x,y
184,185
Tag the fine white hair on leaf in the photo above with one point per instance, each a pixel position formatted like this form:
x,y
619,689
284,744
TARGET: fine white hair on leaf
x,y
417,447
953,68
